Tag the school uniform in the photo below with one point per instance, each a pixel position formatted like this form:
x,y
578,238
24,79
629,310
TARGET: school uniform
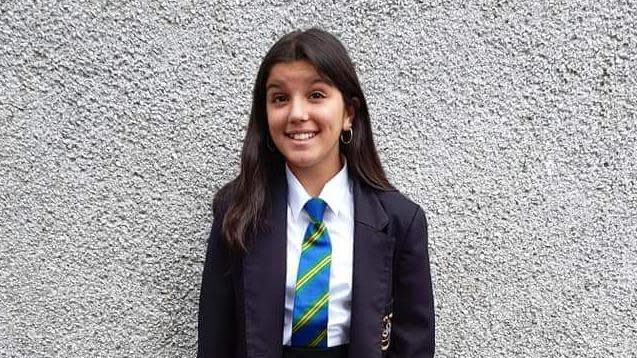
x,y
382,306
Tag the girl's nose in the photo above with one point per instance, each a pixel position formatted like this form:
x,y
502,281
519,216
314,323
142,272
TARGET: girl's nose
x,y
298,111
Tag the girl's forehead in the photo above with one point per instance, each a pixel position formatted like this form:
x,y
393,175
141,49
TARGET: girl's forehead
x,y
301,72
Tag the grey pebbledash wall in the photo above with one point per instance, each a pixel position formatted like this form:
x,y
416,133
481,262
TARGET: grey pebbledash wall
x,y
512,123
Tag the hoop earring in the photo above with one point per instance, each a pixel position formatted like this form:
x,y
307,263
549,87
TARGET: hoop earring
x,y
268,143
351,135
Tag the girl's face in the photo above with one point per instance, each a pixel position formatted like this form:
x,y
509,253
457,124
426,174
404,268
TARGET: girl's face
x,y
306,115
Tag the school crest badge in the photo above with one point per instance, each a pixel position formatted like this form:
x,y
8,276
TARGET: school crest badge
x,y
386,333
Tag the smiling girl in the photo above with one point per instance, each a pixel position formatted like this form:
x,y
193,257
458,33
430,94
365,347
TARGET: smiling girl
x,y
312,252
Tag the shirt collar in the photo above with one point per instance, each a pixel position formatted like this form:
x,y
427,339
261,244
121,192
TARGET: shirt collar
x,y
333,192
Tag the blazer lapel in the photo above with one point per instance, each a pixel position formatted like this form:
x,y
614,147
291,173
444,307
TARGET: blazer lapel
x,y
264,269
373,254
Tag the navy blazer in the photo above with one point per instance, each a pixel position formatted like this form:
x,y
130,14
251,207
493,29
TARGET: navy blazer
x,y
242,299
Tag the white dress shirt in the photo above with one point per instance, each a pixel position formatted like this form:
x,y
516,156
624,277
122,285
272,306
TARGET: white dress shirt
x,y
339,219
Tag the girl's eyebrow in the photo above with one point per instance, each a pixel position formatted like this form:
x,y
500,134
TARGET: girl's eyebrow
x,y
273,84
276,83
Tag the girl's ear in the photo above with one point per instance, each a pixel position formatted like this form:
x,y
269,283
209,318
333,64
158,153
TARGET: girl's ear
x,y
351,113
347,123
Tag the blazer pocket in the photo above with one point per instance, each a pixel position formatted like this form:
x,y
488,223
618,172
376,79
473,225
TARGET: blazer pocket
x,y
385,337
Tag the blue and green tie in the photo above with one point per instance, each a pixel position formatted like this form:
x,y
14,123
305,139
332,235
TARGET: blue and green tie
x,y
309,318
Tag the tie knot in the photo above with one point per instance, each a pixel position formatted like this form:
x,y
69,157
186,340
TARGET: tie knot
x,y
315,207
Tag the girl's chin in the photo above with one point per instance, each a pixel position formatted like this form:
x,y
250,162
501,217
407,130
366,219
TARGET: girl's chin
x,y
301,163
312,164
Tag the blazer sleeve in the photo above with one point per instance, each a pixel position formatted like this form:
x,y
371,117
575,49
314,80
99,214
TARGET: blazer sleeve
x,y
413,333
217,331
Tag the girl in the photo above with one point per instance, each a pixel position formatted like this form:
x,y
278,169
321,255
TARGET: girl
x,y
312,252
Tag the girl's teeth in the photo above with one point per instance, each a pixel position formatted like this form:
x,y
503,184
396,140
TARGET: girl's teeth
x,y
302,136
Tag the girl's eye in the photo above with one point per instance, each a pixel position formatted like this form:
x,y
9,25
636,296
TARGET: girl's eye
x,y
317,95
278,98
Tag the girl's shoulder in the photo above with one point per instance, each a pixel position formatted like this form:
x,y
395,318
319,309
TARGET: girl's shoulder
x,y
223,198
398,206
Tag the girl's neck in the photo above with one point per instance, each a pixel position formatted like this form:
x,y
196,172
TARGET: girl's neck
x,y
314,179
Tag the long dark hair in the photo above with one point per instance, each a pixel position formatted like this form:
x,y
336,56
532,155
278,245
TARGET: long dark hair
x,y
259,164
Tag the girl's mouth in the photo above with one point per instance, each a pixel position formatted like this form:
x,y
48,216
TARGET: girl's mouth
x,y
301,135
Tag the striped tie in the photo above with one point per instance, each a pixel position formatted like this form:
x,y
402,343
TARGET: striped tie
x,y
309,318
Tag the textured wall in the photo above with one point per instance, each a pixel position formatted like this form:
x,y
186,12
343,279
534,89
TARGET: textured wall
x,y
512,123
